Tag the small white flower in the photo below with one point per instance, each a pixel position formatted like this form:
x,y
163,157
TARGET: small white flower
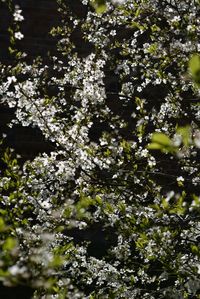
x,y
118,1
75,22
17,15
164,81
11,79
176,19
190,28
46,205
139,88
144,153
147,81
113,32
158,81
152,161
18,35
133,115
180,179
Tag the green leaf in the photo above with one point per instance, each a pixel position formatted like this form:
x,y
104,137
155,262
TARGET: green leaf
x,y
185,133
57,261
195,249
194,68
3,273
99,6
98,200
155,146
142,241
9,244
194,64
161,138
165,204
2,224
162,142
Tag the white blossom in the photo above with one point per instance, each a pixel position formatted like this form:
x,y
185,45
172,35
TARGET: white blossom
x,y
18,35
18,15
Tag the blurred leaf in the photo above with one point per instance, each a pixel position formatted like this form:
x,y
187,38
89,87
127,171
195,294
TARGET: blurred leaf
x,y
57,261
195,249
9,244
185,133
2,224
99,6
161,138
161,142
3,273
101,9
194,68
165,203
142,241
155,146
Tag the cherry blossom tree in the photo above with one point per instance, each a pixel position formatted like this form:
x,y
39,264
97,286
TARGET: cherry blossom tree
x,y
113,210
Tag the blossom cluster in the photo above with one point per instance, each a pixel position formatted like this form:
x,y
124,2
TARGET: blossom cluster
x,y
102,215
